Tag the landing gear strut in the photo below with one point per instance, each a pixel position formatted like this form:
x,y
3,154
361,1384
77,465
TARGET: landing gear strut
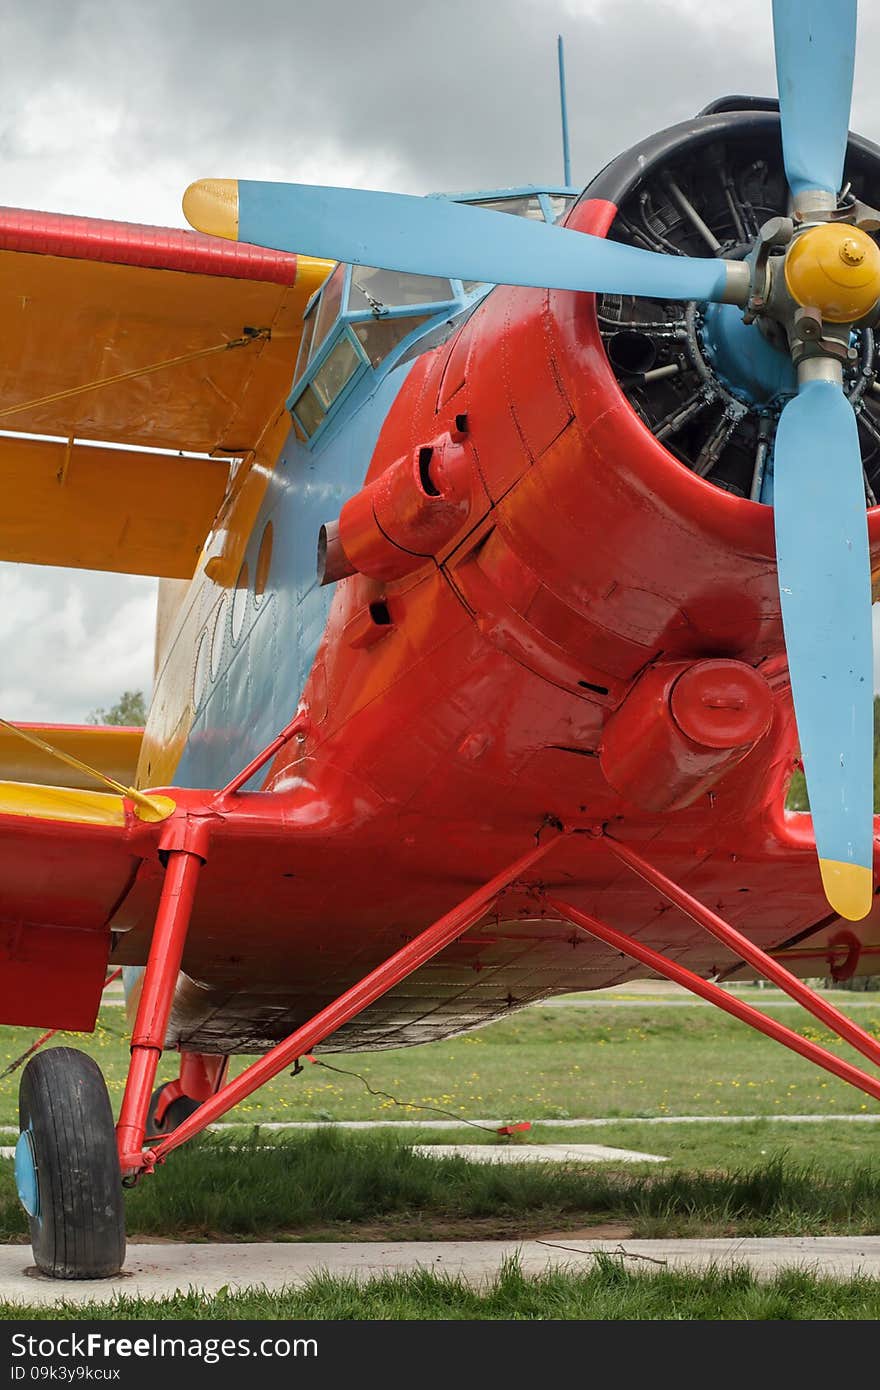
x,y
170,1104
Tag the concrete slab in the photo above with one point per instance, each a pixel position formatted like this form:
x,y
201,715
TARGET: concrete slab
x,y
156,1271
536,1153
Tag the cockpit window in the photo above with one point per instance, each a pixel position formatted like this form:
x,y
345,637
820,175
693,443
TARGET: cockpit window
x,y
377,290
380,336
336,371
364,316
517,207
309,411
328,311
560,205
305,341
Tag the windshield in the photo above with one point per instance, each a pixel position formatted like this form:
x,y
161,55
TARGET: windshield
x,y
393,289
517,207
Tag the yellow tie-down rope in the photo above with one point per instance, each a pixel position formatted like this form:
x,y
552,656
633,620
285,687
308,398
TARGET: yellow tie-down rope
x,y
148,808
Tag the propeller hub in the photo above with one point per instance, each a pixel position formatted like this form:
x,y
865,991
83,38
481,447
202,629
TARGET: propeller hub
x,y
834,268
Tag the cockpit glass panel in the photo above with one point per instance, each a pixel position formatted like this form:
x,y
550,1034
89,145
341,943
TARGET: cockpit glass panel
x,y
336,369
380,336
328,312
376,290
309,410
517,207
560,205
305,343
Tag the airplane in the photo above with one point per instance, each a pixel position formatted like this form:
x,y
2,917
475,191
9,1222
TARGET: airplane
x,y
509,566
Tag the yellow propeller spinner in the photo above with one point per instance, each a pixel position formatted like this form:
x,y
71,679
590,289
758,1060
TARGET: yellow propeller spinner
x,y
834,268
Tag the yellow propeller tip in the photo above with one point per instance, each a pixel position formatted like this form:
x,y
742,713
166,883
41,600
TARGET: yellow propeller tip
x,y
849,888
211,205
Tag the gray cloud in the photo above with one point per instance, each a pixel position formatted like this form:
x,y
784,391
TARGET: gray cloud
x,y
72,641
112,108
133,100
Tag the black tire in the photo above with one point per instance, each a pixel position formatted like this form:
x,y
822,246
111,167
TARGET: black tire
x,y
178,1111
79,1229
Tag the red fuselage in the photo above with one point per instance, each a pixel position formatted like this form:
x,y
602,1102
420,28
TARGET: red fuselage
x,y
454,708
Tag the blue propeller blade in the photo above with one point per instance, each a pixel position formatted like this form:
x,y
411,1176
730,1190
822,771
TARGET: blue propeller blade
x,y
430,236
824,582
815,54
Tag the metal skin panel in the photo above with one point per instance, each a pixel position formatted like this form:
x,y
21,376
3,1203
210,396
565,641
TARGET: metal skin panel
x,y
47,975
65,860
265,669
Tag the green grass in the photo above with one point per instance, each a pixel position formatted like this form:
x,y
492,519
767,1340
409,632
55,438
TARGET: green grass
x,y
541,1063
331,1185
754,1178
607,1292
764,997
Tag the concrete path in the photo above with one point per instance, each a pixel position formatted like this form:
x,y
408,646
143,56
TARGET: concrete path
x,y
492,1125
536,1153
156,1271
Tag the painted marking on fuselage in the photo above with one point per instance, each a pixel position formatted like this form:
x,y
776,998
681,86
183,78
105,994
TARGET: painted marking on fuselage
x,y
261,676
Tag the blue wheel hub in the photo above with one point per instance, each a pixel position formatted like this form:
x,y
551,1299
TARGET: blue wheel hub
x,y
26,1179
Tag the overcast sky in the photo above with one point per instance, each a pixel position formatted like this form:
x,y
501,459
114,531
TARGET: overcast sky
x,y
111,109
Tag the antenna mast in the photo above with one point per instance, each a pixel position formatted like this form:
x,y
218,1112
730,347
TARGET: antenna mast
x,y
566,155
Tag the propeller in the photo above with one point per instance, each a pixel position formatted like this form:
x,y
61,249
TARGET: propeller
x,y
821,528
831,277
825,587
431,236
815,44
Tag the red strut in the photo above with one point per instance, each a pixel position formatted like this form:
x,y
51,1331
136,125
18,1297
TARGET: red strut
x,y
396,968
748,951
716,995
157,994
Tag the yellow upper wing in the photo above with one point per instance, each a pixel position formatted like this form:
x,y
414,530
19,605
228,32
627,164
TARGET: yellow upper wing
x,y
146,337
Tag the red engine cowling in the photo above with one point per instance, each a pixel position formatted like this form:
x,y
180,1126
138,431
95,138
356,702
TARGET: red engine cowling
x,y
681,727
406,514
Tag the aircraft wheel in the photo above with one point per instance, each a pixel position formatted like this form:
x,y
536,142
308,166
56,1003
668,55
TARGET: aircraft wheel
x,y
178,1111
67,1168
